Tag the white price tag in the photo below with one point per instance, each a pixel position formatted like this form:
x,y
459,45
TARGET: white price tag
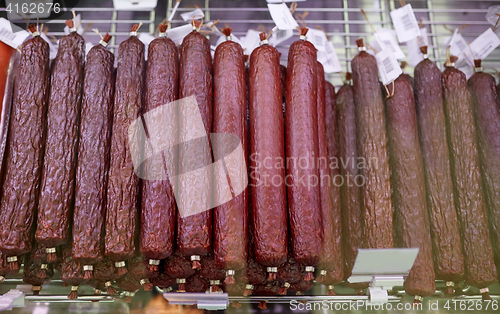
x,y
456,42
482,46
329,59
279,36
88,46
388,66
196,14
251,41
177,34
387,40
281,16
8,37
146,38
405,23
414,54
317,38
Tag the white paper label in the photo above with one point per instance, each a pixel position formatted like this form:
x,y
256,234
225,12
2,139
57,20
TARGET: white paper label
x,y
329,59
414,54
456,42
196,14
177,34
279,36
405,23
388,66
8,37
482,46
88,46
251,41
281,16
387,40
317,38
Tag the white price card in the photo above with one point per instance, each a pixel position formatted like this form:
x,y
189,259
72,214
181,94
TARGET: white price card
x,y
196,14
405,23
8,37
388,66
386,39
482,46
317,38
281,16
251,41
279,36
329,59
456,42
414,54
177,34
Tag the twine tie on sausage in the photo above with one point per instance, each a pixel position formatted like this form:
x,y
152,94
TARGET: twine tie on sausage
x,y
389,95
74,293
51,254
196,261
214,286
227,32
104,40
88,271
229,277
284,290
417,299
272,272
449,288
120,268
309,273
13,263
248,290
322,276
36,289
485,294
331,291
423,50
360,44
196,25
477,65
148,286
181,282
33,30
153,265
236,304
42,273
134,29
262,305
452,61
368,20
110,290
263,39
163,29
129,296
303,32
71,26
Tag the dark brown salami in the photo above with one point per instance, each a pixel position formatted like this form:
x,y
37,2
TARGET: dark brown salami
x,y
31,270
229,116
487,113
332,124
162,279
212,272
72,273
447,246
194,231
196,283
352,231
93,156
331,262
130,285
123,184
63,119
158,211
25,148
301,137
480,270
270,246
376,210
179,267
106,272
39,255
290,272
408,188
138,268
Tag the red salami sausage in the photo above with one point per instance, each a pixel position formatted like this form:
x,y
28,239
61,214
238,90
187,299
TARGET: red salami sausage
x,y
301,136
123,184
39,255
196,283
106,272
63,120
158,212
130,285
331,262
290,272
93,156
161,279
138,268
267,145
480,270
194,232
212,272
231,218
372,152
445,237
30,275
331,124
25,147
487,113
72,273
179,267
408,192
